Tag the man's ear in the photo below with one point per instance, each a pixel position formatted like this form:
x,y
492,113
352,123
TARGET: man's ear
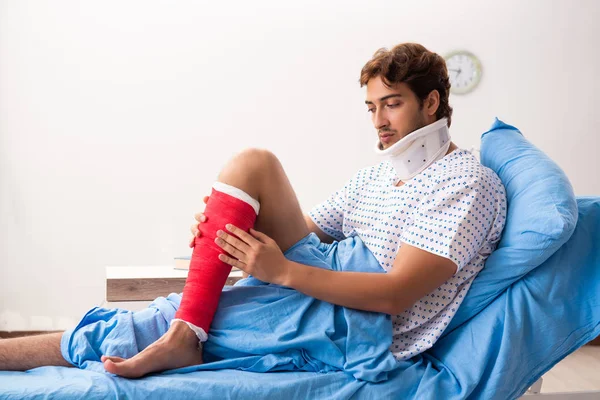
x,y
432,102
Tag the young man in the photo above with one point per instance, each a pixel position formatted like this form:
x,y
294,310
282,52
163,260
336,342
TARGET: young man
x,y
430,214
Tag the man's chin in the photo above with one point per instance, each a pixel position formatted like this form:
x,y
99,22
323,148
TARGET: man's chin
x,y
384,146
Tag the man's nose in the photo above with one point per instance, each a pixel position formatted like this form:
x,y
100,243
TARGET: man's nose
x,y
380,120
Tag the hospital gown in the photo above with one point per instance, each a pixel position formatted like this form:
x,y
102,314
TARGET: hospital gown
x,y
456,208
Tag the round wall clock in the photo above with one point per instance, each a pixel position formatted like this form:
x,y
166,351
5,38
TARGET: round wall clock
x,y
464,71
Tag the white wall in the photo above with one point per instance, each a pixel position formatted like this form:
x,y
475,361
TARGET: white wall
x,y
116,116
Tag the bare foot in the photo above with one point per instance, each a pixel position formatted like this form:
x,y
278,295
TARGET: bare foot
x,y
175,349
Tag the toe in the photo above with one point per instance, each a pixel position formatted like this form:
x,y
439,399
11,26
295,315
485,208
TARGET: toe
x,y
110,366
112,358
124,368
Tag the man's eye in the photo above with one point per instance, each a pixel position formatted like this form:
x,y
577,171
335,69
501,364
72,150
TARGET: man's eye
x,y
371,110
392,105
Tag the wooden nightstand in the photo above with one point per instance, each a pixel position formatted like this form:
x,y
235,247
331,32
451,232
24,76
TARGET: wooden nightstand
x,y
138,286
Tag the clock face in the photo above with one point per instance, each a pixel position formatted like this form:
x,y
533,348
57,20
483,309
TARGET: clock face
x,y
464,71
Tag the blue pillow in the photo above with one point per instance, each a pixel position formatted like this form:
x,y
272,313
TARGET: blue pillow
x,y
541,215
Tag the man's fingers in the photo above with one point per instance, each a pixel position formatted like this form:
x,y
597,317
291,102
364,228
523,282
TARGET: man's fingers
x,y
195,230
232,261
229,249
200,217
232,240
243,235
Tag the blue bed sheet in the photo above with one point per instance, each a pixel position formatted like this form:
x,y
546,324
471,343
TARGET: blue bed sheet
x,y
497,354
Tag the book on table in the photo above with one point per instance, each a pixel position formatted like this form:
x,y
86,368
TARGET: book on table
x,y
182,262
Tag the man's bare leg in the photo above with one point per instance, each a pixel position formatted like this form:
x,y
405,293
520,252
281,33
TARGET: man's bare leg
x,y
260,174
21,354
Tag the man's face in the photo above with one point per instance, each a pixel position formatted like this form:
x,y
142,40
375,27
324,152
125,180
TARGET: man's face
x,y
395,111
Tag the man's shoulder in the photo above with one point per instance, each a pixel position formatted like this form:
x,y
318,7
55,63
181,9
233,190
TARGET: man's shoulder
x,y
466,164
465,171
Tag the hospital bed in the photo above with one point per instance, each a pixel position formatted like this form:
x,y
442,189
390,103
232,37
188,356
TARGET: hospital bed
x,y
536,301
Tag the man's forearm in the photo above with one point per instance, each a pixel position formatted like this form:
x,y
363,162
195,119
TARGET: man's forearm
x,y
361,290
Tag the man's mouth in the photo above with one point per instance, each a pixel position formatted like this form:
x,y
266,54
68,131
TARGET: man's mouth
x,y
386,137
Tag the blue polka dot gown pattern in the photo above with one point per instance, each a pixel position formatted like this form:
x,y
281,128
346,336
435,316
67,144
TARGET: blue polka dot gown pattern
x,y
456,208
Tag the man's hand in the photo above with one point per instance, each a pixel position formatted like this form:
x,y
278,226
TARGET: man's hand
x,y
254,253
200,217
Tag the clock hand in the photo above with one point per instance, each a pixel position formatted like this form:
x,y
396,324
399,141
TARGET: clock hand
x,y
458,71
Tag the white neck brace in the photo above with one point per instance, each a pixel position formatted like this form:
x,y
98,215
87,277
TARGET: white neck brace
x,y
418,150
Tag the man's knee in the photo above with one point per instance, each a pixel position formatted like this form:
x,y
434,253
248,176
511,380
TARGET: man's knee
x,y
254,161
261,158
